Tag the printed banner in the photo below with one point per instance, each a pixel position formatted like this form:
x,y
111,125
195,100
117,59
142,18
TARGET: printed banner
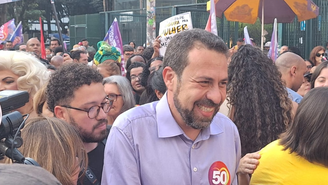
x,y
172,26
7,30
17,36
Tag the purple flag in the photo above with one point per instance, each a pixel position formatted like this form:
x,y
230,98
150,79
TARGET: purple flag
x,y
113,38
17,36
273,52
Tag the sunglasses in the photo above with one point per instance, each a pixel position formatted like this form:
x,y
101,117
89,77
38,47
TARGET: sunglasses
x,y
322,54
307,76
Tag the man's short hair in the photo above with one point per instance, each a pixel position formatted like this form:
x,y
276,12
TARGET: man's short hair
x,y
240,40
58,49
77,54
148,53
66,80
127,48
176,55
55,39
295,50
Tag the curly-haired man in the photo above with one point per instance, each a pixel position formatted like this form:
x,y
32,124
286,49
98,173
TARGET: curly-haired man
x,y
75,94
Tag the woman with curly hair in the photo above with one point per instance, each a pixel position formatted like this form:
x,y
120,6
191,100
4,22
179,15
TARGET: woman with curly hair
x,y
260,106
22,71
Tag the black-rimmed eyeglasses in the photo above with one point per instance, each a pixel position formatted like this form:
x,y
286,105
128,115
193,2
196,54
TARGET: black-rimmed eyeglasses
x,y
113,96
134,77
94,110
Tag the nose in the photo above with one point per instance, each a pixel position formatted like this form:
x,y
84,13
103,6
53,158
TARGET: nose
x,y
102,114
216,94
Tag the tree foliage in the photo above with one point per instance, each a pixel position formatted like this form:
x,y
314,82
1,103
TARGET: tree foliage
x,y
30,10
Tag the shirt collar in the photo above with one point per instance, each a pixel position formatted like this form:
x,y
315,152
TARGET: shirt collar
x,y
168,127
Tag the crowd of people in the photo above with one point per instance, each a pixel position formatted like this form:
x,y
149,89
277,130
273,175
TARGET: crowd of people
x,y
200,114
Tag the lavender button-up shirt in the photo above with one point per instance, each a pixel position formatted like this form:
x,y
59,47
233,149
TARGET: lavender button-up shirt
x,y
147,146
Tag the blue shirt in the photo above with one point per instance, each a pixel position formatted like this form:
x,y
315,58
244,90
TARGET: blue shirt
x,y
147,146
294,96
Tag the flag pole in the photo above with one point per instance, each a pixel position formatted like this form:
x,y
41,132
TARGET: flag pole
x,y
262,27
57,23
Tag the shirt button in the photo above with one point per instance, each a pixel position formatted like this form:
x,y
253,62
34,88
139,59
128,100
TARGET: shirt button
x,y
195,169
193,146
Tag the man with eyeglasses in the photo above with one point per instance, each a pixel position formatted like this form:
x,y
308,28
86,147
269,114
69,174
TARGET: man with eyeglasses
x,y
75,94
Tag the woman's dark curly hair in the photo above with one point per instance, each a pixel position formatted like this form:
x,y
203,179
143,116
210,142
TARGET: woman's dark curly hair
x,y
261,108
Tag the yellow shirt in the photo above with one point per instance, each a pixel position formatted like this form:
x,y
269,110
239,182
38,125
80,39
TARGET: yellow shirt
x,y
280,167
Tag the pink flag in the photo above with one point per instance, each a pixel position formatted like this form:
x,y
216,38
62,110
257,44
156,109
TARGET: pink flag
x,y
273,52
113,38
211,22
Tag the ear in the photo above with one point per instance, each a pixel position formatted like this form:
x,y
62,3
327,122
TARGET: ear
x,y
60,113
293,71
168,77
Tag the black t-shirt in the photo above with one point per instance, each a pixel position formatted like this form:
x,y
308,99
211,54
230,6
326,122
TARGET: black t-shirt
x,y
96,162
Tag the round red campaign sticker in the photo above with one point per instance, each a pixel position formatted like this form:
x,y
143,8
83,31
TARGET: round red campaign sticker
x,y
218,174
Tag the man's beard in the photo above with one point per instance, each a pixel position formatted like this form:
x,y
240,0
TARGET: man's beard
x,y
90,137
189,117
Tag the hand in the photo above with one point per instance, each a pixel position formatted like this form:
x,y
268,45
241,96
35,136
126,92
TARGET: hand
x,y
156,46
248,163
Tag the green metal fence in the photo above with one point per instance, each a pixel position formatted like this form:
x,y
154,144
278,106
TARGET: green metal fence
x,y
86,26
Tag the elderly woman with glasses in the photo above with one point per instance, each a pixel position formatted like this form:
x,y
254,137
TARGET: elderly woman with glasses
x,y
118,88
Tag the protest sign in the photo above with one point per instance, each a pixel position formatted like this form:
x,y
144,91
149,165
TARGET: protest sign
x,y
172,26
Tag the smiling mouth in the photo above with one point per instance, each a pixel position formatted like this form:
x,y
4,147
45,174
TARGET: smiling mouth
x,y
206,109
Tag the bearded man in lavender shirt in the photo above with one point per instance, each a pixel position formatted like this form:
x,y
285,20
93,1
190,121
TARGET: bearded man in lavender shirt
x,y
181,139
